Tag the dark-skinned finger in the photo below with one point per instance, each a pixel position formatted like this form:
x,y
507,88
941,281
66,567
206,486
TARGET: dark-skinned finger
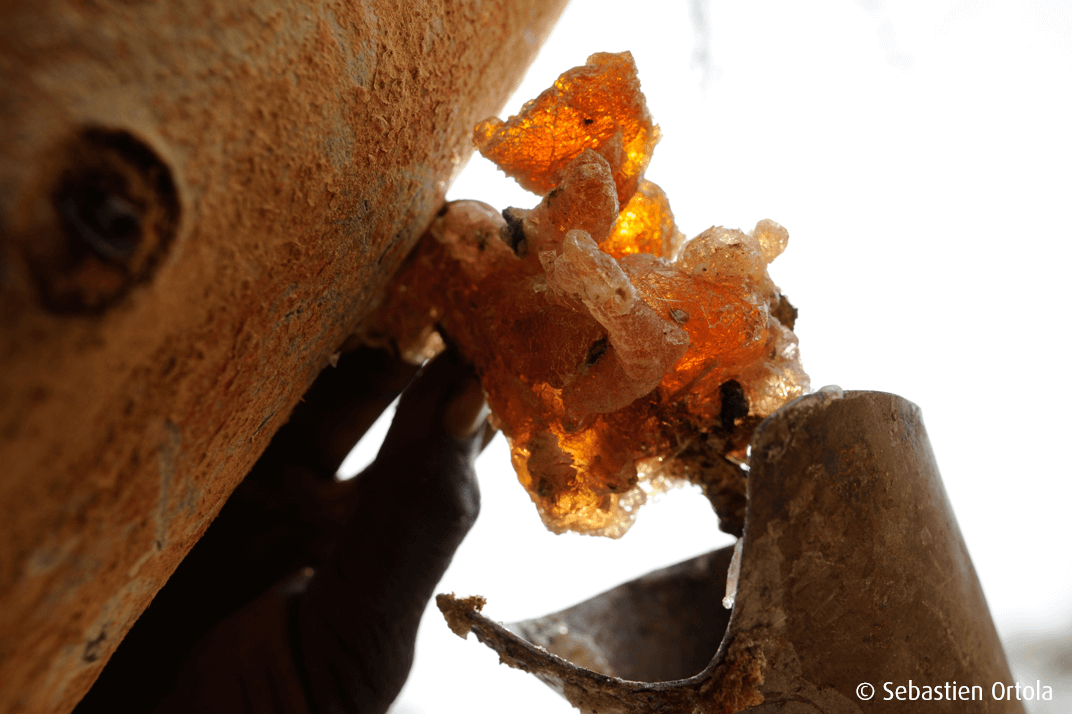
x,y
337,410
460,413
420,414
356,624
466,410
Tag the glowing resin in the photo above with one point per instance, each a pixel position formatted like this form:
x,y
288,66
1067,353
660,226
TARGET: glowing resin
x,y
616,359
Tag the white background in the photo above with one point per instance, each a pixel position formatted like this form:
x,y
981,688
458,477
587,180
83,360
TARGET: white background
x,y
919,154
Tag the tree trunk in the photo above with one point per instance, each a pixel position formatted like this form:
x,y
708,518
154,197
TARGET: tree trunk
x,y
198,203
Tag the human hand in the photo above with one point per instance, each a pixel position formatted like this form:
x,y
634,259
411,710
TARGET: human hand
x,y
306,593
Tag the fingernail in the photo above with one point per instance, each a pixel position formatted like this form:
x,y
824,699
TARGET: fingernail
x,y
466,409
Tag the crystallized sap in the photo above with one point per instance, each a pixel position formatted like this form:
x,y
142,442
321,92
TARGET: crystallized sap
x,y
615,358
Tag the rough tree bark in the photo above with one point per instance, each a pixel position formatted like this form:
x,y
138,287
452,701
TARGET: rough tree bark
x,y
198,202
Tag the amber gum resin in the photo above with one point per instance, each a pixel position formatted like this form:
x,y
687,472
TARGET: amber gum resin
x,y
617,359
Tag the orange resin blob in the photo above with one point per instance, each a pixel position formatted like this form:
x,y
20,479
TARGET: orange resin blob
x,y
645,225
597,106
616,360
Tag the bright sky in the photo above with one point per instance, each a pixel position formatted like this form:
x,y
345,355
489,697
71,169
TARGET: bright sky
x,y
919,154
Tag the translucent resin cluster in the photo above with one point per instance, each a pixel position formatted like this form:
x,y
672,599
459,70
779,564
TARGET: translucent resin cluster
x,y
616,357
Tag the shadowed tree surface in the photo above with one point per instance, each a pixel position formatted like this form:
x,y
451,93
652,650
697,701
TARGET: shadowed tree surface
x,y
197,205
